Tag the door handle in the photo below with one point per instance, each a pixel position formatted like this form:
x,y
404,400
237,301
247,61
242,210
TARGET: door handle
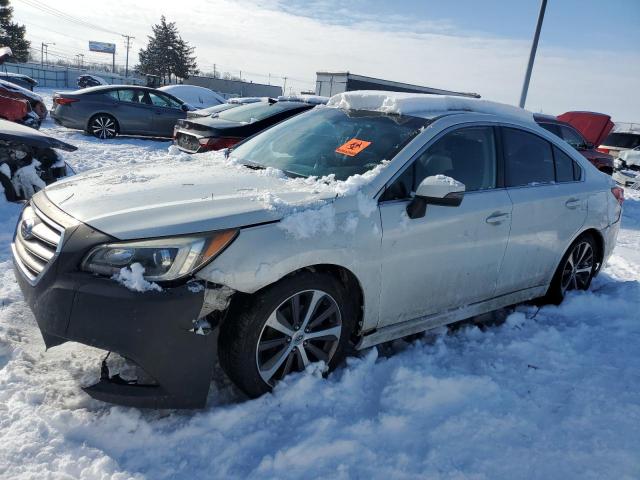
x,y
572,203
497,218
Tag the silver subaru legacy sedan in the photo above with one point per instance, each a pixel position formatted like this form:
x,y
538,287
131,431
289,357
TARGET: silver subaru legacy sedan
x,y
374,217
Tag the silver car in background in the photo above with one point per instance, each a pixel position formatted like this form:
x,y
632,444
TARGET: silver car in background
x,y
378,216
110,110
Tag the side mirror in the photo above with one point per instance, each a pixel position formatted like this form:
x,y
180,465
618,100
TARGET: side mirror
x,y
436,190
184,107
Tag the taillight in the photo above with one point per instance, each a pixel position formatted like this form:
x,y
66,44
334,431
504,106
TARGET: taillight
x,y
64,101
603,150
619,194
218,143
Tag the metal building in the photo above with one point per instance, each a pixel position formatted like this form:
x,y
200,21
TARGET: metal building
x,y
330,83
237,88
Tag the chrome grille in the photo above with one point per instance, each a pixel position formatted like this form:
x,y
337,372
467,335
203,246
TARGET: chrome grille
x,y
36,242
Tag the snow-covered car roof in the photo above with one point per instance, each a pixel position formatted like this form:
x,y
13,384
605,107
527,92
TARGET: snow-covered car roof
x,y
23,91
310,99
20,76
14,132
198,97
423,104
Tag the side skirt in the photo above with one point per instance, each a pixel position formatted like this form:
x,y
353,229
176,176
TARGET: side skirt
x,y
421,324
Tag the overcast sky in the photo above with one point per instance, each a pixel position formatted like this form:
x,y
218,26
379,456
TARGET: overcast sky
x,y
588,59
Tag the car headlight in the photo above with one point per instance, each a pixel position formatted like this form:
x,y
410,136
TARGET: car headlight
x,y
163,259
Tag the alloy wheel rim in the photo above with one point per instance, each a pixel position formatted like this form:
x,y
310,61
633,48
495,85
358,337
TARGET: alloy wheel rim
x,y
305,328
104,127
578,268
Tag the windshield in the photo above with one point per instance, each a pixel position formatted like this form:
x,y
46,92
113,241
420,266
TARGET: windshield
x,y
253,112
326,141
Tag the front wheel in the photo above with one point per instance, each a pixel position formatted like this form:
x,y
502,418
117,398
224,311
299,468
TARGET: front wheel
x,y
103,126
576,270
300,320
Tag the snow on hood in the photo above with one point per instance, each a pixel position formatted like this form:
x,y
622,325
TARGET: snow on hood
x,y
191,193
422,103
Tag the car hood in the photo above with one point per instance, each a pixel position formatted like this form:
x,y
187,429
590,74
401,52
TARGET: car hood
x,y
181,196
593,126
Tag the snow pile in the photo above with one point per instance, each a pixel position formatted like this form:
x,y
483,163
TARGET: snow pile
x,y
133,278
630,157
309,222
310,99
244,100
422,104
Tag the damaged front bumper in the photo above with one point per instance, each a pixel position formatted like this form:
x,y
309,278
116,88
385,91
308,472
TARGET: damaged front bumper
x,y
153,329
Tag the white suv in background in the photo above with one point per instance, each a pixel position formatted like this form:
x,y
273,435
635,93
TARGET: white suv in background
x,y
377,216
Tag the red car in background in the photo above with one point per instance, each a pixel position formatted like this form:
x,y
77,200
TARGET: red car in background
x,y
18,110
584,131
11,90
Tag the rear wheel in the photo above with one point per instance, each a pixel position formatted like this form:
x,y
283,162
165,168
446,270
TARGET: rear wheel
x,y
103,126
576,270
300,320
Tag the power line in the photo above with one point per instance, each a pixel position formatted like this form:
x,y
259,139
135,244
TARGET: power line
x,y
65,16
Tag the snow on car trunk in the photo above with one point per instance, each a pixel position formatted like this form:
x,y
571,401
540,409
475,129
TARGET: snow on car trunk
x,y
549,393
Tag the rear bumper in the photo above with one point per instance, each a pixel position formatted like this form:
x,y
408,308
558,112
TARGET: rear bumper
x,y
66,119
153,329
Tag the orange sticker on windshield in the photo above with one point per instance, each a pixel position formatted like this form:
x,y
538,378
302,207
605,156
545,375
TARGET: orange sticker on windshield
x,y
353,147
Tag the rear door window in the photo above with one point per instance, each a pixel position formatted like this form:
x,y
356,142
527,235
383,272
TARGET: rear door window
x,y
528,159
133,96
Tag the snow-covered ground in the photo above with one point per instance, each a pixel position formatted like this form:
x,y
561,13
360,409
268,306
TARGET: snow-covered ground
x,y
549,393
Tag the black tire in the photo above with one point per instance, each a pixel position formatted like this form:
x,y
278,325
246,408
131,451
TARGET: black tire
x,y
246,327
103,126
567,269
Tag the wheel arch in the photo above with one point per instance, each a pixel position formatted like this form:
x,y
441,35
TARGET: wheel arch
x,y
599,239
349,280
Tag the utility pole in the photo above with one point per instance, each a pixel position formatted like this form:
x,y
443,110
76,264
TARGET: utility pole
x,y
532,54
214,70
240,75
44,53
269,79
126,65
284,88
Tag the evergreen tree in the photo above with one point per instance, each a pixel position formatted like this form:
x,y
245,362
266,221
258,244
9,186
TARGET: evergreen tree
x,y
167,53
12,34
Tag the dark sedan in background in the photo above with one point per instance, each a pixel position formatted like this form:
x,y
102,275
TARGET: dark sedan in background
x,y
229,127
109,110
